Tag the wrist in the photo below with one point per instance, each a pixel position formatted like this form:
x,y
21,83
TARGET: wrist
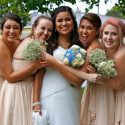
x,y
36,103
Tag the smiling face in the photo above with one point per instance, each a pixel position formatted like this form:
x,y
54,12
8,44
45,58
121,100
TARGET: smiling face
x,y
87,32
11,31
110,37
43,30
64,23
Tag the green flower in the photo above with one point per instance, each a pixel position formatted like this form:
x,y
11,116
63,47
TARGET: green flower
x,y
106,69
104,66
34,50
96,56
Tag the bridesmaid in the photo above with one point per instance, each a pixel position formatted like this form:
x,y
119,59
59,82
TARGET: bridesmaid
x,y
16,88
113,32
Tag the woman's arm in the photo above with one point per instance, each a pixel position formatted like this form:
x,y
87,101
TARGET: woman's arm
x,y
91,77
118,82
7,69
37,89
51,61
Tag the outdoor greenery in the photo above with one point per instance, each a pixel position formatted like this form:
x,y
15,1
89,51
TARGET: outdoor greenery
x,y
23,7
116,11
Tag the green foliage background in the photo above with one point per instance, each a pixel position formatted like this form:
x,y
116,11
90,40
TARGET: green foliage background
x,y
23,7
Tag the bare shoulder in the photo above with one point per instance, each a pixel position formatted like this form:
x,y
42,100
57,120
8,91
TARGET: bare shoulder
x,y
25,41
120,56
121,52
2,46
95,44
4,53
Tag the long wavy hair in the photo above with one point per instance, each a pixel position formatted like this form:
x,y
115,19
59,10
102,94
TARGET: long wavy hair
x,y
74,39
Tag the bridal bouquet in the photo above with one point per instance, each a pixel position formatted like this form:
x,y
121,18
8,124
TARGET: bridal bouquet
x,y
34,50
74,56
103,65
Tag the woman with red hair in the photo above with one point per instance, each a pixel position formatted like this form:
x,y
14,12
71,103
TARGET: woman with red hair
x,y
116,50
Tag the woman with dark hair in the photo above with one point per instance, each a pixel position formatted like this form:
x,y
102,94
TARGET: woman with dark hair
x,y
16,75
61,93
73,36
88,29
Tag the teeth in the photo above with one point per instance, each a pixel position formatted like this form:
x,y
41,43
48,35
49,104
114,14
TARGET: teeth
x,y
109,43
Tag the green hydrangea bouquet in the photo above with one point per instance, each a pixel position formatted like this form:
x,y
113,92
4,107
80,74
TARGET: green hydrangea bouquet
x,y
74,56
106,69
34,50
104,66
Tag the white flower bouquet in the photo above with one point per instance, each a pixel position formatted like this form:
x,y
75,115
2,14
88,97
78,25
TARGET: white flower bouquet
x,y
96,56
74,56
106,69
34,50
104,66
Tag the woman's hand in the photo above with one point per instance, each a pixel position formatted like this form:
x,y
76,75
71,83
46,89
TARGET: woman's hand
x,y
91,69
37,64
95,78
49,60
37,108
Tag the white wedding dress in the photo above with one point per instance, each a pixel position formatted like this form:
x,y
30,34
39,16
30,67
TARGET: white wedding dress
x,y
60,99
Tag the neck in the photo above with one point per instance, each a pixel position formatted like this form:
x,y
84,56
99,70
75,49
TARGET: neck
x,y
111,52
64,42
10,46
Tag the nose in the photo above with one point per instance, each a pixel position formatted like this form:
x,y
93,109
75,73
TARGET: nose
x,y
11,30
84,30
64,22
46,31
109,36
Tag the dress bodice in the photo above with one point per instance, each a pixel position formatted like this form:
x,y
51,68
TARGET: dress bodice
x,y
18,61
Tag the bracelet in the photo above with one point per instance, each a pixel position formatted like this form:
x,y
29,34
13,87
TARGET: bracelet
x,y
36,103
36,110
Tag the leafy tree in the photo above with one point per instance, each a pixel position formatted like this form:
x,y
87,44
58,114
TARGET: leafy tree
x,y
92,3
116,12
14,6
23,7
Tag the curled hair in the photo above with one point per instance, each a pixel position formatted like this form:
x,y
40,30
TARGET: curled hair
x,y
74,34
119,24
11,16
94,19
